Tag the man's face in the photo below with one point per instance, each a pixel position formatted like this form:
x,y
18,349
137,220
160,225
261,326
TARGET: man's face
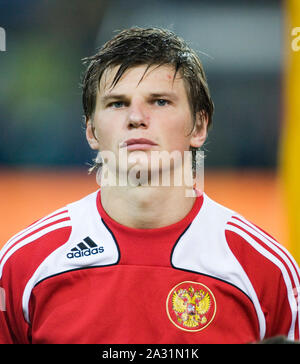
x,y
152,114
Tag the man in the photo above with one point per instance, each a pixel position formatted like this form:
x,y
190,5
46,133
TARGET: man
x,y
142,261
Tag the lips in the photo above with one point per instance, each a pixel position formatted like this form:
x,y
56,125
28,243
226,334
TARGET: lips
x,y
138,144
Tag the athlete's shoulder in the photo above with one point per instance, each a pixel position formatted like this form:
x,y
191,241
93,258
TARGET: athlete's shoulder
x,y
257,252
266,266
39,239
273,272
243,235
251,244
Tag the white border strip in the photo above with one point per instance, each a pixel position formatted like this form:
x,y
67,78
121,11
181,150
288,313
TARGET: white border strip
x,y
29,230
279,264
31,239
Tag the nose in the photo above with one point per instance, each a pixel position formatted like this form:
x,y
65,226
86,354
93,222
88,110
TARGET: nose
x,y
137,116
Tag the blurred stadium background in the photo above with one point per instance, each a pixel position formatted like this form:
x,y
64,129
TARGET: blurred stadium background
x,y
252,153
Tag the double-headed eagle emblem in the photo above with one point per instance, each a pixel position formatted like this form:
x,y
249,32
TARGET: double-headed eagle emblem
x,y
191,306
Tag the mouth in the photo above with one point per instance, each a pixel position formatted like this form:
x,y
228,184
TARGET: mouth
x,y
138,144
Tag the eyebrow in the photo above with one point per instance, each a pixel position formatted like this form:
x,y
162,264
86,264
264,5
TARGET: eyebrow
x,y
112,96
171,95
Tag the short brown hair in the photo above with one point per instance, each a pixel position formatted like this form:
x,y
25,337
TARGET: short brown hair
x,y
150,46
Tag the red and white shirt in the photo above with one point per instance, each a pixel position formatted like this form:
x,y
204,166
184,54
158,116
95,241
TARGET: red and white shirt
x,y
78,276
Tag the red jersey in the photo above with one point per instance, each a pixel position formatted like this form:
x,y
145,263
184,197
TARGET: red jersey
x,y
78,276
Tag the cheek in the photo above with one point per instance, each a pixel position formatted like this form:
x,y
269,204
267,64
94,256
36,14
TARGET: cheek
x,y
105,140
177,139
179,131
109,138
102,130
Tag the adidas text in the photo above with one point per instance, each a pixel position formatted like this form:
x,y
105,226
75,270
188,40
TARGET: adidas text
x,y
85,248
86,252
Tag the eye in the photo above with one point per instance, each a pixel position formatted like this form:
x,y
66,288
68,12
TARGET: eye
x,y
116,104
161,102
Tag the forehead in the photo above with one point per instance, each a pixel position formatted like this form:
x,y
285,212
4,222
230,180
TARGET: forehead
x,y
142,76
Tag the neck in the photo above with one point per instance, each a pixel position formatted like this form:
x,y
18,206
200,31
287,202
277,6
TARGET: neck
x,y
146,207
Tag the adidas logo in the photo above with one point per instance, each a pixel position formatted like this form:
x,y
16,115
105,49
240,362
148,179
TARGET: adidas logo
x,y
85,249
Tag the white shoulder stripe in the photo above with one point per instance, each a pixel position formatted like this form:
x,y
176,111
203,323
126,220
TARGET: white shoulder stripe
x,y
291,297
37,222
272,243
52,214
31,239
37,225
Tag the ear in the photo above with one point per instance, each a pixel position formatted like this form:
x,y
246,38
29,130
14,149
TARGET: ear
x,y
199,133
90,135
